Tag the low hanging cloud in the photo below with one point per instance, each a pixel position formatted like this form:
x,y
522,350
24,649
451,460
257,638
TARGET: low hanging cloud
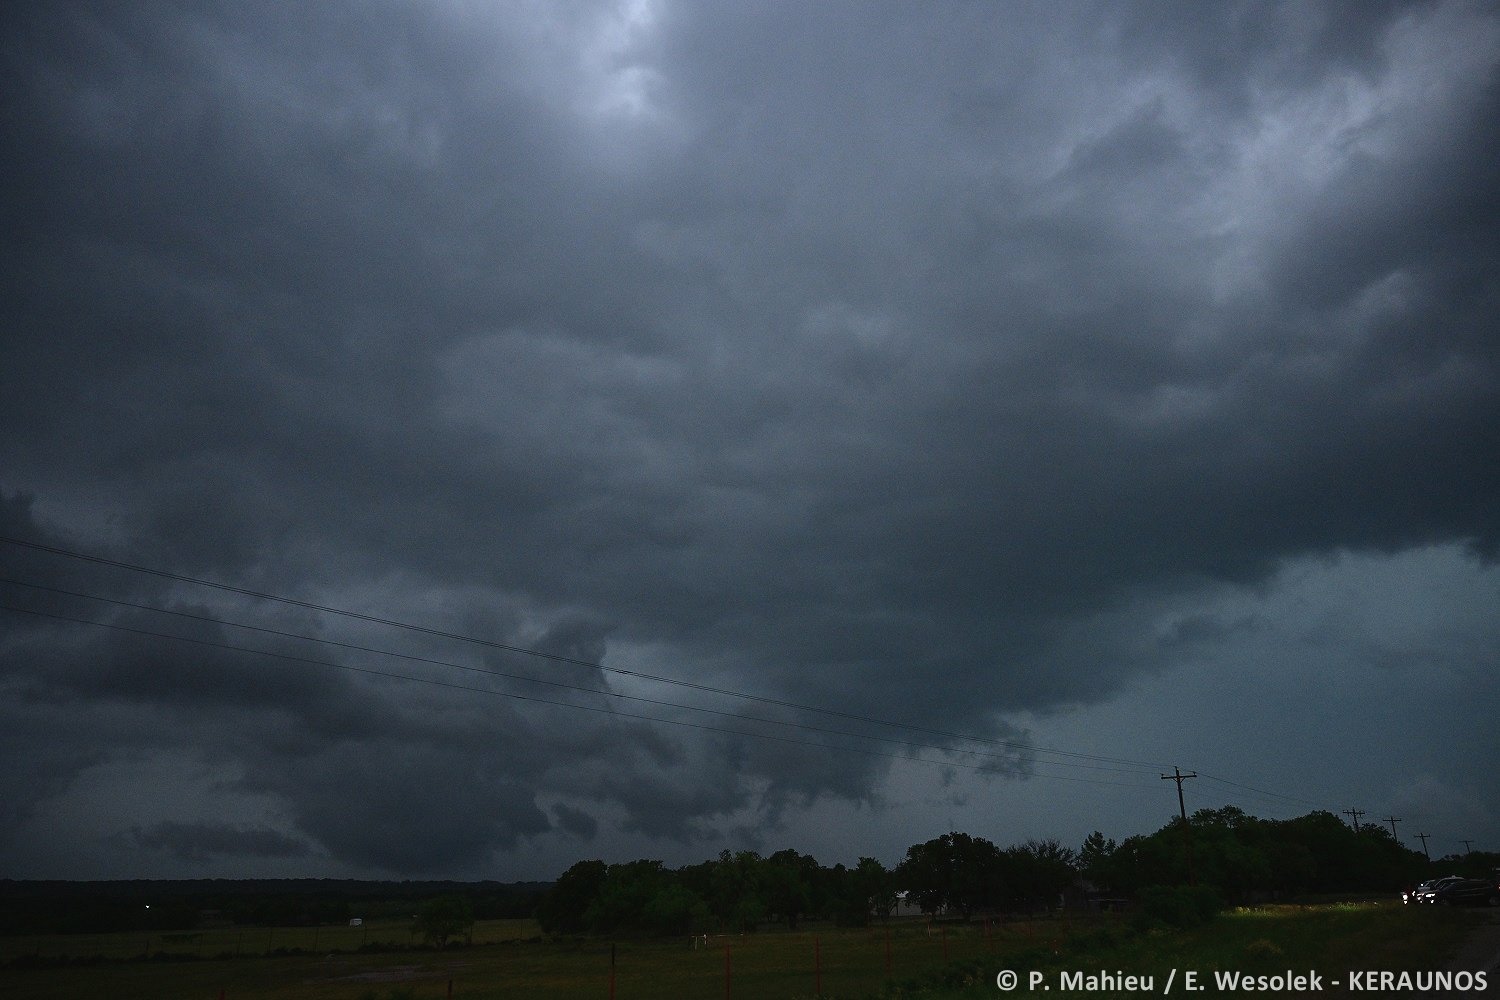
x,y
198,842
945,364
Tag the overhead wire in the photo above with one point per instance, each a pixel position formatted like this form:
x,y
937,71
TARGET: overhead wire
x,y
1258,791
531,698
1013,745
563,685
558,657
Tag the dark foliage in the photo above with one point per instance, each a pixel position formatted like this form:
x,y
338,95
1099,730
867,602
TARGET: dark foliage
x,y
1180,905
1247,858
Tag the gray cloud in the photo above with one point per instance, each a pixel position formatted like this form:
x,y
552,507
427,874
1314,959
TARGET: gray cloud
x,y
203,841
421,809
943,363
577,822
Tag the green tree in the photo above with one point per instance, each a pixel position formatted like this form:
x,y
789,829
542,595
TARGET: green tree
x,y
1154,859
872,888
444,918
954,870
1039,871
562,909
675,909
787,885
735,890
622,899
1096,860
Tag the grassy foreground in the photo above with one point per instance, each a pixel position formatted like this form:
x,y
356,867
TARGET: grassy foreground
x,y
1332,940
245,942
510,960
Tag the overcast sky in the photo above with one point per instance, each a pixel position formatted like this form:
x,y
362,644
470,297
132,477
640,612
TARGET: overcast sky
x,y
1117,381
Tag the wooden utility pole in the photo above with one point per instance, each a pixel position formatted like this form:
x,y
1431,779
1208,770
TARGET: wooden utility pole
x,y
1393,820
1467,848
1423,838
1187,830
1356,814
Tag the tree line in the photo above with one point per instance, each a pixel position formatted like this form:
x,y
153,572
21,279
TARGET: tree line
x,y
743,891
1249,859
1235,856
1240,857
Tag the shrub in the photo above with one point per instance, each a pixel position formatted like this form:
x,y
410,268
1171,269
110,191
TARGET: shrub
x,y
1180,905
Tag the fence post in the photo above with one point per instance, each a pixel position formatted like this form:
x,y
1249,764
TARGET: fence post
x,y
611,970
726,971
817,967
945,943
887,950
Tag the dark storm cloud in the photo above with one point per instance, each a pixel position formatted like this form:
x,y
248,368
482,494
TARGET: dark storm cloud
x,y
874,357
137,666
1227,51
420,808
55,751
202,841
577,822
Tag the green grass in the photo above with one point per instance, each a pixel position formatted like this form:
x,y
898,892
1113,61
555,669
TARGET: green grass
x,y
245,941
774,965
769,964
1329,939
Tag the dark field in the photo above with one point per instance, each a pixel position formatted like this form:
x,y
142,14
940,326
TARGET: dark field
x,y
510,959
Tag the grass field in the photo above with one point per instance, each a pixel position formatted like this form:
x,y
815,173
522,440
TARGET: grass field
x,y
510,960
1332,940
246,941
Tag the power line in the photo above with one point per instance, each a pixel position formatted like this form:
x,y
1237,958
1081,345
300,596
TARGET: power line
x,y
555,657
593,665
532,699
1258,791
639,675
193,616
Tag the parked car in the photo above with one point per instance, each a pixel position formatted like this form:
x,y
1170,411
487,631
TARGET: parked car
x,y
1423,893
1468,892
